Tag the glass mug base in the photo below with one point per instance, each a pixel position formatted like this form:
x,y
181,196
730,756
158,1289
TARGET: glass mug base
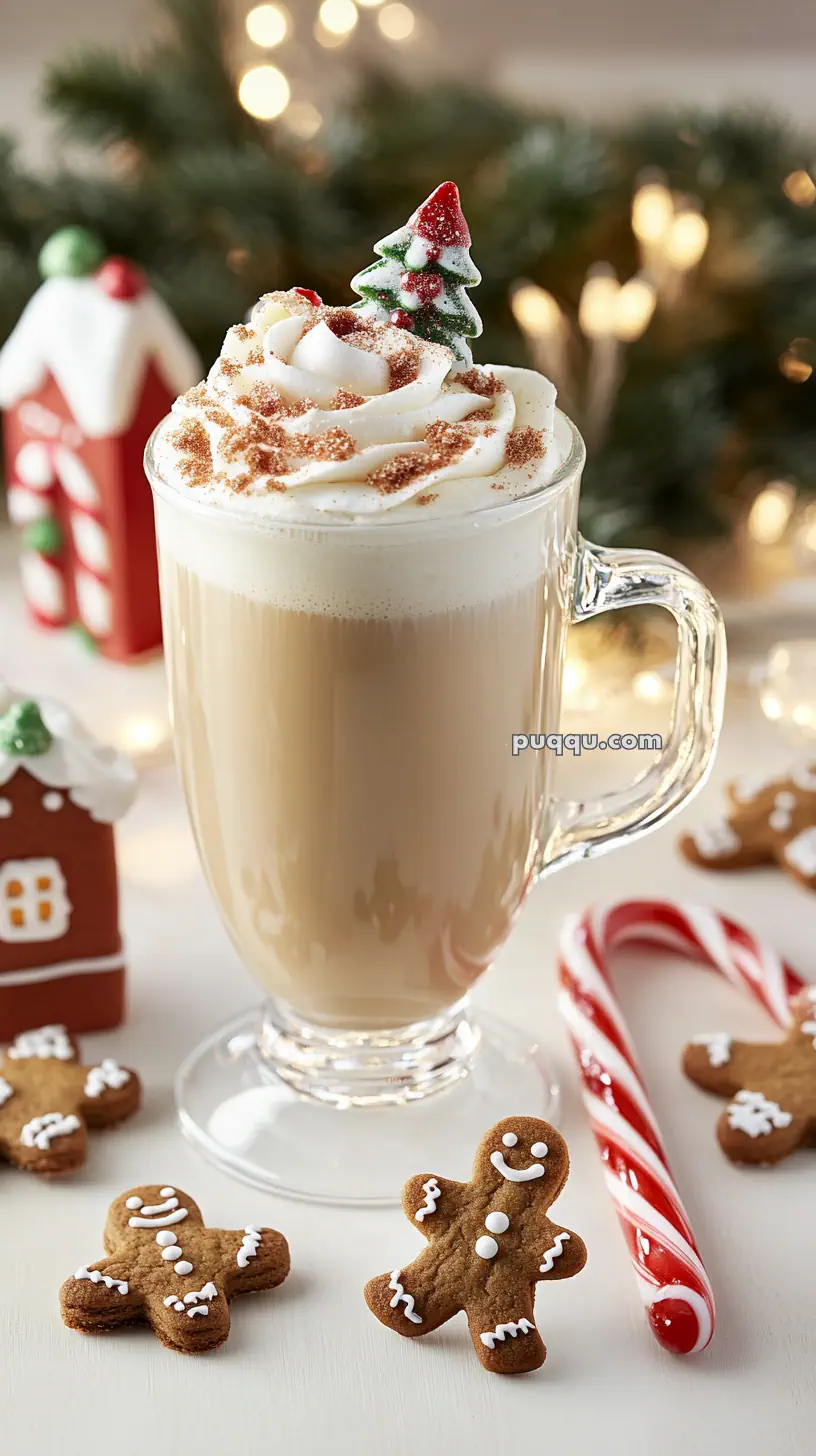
x,y
337,1117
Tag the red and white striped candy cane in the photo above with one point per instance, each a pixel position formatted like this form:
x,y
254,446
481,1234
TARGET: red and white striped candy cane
x,y
670,1274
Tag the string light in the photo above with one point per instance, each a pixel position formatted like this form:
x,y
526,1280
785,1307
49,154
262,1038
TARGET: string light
x,y
596,308
687,239
800,188
652,212
267,25
303,119
263,91
338,17
770,514
650,687
369,4
536,311
397,21
142,734
633,309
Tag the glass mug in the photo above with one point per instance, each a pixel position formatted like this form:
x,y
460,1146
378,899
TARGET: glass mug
x,y
344,700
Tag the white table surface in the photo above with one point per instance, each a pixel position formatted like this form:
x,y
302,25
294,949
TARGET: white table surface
x,y
307,1368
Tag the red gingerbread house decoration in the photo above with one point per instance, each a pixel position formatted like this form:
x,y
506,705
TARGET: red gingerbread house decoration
x,y
93,364
61,957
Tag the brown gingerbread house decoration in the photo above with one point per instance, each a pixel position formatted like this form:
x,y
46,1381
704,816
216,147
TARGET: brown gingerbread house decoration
x,y
61,957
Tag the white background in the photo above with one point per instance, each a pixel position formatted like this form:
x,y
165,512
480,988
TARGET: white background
x,y
307,1368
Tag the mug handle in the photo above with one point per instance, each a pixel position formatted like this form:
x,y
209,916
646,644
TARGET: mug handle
x,y
608,579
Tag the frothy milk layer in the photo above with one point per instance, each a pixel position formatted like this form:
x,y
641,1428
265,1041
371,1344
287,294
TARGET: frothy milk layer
x,y
316,417
362,572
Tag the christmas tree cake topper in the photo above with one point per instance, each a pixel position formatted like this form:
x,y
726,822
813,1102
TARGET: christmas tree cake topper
x,y
423,270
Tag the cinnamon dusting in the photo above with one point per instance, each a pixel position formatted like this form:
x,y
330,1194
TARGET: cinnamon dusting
x,y
476,381
524,445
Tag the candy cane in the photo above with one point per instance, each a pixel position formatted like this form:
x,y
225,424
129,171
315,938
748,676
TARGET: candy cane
x,y
670,1274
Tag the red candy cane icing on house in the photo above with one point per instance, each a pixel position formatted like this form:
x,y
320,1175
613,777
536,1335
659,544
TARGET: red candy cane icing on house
x,y
670,1274
85,376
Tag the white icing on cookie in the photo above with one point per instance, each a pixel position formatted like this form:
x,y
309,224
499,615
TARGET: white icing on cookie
x,y
47,1043
6,1091
516,1175
176,1217
515,1327
41,1131
166,1192
718,1046
509,1139
781,816
486,1247
753,1114
172,1251
432,1193
250,1244
801,852
401,1296
107,1074
181,1306
554,1253
808,1028
96,1277
183,1266
716,841
164,1238
539,1150
497,1222
134,1201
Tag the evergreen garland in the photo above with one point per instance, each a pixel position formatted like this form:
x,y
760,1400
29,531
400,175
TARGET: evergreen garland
x,y
218,208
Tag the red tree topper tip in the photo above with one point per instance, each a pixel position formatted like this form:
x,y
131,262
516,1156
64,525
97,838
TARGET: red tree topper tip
x,y
120,278
314,298
441,220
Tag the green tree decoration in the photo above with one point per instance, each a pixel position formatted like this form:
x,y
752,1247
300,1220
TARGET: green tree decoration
x,y
23,733
423,270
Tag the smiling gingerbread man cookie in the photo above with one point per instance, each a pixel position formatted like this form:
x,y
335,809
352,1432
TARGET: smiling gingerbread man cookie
x,y
772,1087
489,1242
166,1269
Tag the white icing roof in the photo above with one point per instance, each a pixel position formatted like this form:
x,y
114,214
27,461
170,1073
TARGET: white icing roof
x,y
97,349
95,777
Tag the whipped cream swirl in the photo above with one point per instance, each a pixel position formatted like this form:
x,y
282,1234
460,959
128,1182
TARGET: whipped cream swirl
x,y
312,411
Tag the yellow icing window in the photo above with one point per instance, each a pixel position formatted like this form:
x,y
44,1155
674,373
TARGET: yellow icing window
x,y
34,904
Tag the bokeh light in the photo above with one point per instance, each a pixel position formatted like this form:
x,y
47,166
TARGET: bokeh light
x,y
397,21
263,91
267,25
338,17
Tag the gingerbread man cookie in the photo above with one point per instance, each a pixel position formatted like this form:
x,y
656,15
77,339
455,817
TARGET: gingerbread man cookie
x,y
772,821
490,1241
166,1269
772,1087
48,1100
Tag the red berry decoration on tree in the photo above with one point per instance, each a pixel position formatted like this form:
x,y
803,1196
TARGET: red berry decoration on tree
x,y
120,278
402,320
313,297
422,272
